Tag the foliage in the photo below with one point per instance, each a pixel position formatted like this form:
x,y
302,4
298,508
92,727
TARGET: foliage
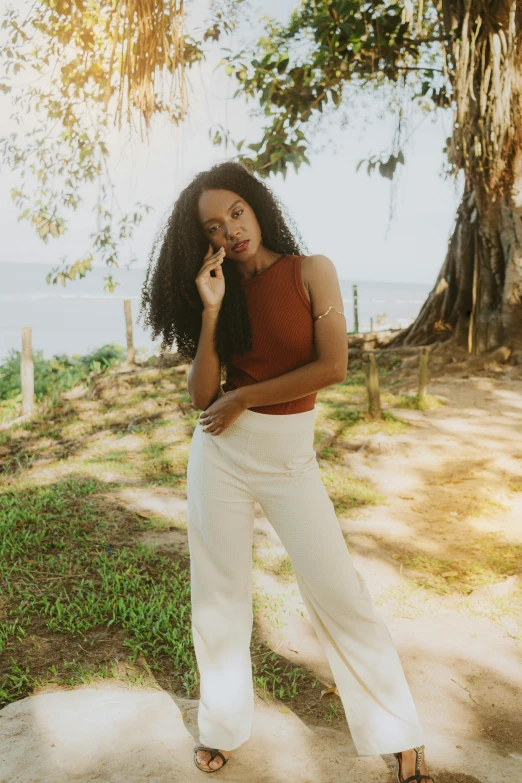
x,y
57,374
434,54
72,71
306,69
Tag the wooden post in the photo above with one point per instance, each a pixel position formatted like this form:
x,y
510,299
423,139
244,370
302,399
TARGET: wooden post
x,y
472,334
371,325
355,311
131,353
27,372
372,385
423,371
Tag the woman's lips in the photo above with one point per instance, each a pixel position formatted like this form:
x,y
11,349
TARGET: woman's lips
x,y
241,246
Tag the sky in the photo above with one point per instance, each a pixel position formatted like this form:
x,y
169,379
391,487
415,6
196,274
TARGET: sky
x,y
340,213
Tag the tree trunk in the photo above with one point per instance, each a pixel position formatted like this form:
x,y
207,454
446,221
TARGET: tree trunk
x,y
478,294
511,241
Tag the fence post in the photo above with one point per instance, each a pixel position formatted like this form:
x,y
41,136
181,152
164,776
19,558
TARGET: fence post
x,y
27,372
423,371
472,333
372,385
355,310
131,353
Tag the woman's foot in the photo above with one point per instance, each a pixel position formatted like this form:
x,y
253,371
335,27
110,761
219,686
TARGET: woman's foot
x,y
203,757
407,759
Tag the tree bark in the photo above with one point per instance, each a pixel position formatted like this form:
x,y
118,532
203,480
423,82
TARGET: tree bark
x,y
478,294
511,242
480,283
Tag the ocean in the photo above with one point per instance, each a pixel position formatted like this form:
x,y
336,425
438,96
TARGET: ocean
x,y
82,317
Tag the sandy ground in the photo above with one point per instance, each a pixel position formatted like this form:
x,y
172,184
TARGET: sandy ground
x,y
453,512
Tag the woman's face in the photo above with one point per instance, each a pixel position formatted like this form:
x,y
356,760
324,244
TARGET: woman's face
x,y
229,222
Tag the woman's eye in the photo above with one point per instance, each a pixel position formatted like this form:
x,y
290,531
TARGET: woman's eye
x,y
239,212
211,229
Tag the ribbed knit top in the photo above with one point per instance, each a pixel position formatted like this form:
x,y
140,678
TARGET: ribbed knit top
x,y
282,332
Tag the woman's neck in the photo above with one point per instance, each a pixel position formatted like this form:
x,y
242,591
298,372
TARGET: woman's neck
x,y
262,259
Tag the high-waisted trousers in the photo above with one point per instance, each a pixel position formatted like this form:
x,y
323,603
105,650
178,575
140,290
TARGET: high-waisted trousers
x,y
269,458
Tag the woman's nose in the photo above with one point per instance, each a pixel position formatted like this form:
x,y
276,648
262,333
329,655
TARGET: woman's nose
x,y
230,233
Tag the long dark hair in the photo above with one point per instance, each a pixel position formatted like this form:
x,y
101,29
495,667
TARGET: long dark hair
x,y
170,298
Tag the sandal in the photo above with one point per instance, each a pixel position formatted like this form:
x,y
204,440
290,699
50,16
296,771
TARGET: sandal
x,y
418,759
213,752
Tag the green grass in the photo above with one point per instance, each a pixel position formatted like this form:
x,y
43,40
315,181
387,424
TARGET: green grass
x,y
388,425
51,376
415,402
347,492
112,456
274,563
487,562
334,712
65,572
81,598
273,676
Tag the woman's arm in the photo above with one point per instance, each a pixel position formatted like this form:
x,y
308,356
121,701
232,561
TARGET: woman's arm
x,y
330,338
204,377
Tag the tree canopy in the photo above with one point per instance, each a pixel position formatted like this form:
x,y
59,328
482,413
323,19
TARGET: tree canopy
x,y
440,54
73,70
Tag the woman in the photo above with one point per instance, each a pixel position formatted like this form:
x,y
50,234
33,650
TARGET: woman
x,y
274,320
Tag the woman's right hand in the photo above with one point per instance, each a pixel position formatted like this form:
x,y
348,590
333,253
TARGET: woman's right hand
x,y
211,289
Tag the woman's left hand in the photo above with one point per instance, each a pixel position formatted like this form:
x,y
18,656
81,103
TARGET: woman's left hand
x,y
223,411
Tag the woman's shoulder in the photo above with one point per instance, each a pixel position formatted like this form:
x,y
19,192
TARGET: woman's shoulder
x,y
315,265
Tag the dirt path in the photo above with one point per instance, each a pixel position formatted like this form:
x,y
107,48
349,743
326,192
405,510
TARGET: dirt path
x,y
442,557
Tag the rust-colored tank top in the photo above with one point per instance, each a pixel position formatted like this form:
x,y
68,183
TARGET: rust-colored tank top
x,y
282,332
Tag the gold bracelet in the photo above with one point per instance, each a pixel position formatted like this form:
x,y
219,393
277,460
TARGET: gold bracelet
x,y
330,308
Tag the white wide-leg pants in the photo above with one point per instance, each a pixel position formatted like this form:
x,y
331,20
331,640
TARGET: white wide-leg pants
x,y
270,458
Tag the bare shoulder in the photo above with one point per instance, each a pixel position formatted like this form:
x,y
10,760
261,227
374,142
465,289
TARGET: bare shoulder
x,y
314,269
320,279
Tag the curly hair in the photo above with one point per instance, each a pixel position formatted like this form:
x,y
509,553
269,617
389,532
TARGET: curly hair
x,y
170,299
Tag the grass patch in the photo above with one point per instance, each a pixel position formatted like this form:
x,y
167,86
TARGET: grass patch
x,y
334,712
112,456
347,492
413,401
388,425
11,408
66,572
362,424
515,484
273,676
488,562
274,563
350,418
271,605
276,678
166,465
82,600
51,376
408,599
483,507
